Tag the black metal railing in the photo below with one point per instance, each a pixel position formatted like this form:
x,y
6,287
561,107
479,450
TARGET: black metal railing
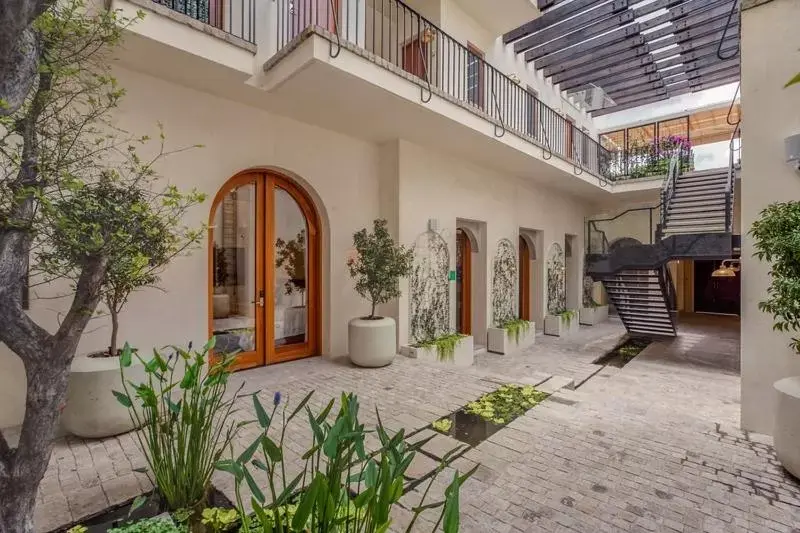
x,y
733,161
236,17
670,182
638,225
438,63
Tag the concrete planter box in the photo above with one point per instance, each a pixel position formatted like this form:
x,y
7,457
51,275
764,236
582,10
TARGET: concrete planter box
x,y
589,316
464,353
91,410
501,341
786,434
372,343
558,326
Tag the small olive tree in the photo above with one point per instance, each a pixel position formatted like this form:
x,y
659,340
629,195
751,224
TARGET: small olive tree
x,y
378,265
62,163
140,229
776,237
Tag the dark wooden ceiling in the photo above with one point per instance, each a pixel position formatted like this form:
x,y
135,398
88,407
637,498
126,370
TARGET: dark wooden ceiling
x,y
638,51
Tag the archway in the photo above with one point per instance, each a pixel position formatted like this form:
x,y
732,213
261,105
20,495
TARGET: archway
x,y
264,270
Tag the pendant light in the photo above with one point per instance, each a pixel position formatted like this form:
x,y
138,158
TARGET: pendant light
x,y
727,269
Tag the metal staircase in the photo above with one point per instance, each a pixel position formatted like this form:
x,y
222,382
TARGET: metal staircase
x,y
694,221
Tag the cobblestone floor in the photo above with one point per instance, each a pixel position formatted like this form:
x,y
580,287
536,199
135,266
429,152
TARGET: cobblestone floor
x,y
653,446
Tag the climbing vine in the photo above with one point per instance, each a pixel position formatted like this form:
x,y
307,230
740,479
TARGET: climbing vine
x,y
504,283
556,281
429,289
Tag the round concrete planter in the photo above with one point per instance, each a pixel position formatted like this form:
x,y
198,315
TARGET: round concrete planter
x,y
786,435
92,411
372,343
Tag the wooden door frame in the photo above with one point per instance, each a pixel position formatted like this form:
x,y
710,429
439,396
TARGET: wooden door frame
x,y
257,357
524,279
266,352
466,282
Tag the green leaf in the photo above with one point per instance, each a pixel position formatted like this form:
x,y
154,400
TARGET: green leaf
x,y
173,407
319,436
137,502
261,413
794,80
210,344
249,452
451,505
362,499
125,357
300,406
287,491
254,488
271,449
306,505
123,398
232,467
332,440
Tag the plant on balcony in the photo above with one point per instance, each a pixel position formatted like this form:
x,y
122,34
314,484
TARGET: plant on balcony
x,y
653,158
341,486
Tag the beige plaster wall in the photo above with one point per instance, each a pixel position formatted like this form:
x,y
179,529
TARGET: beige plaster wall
x,y
435,186
770,57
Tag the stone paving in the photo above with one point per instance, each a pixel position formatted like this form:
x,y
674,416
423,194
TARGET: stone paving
x,y
653,446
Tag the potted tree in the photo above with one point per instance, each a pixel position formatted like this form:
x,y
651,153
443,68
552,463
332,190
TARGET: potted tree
x,y
377,267
291,256
776,235
145,233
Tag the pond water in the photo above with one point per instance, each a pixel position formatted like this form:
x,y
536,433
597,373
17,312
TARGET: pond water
x,y
471,429
624,353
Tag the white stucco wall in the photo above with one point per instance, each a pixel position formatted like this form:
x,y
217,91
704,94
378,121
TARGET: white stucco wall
x,y
770,57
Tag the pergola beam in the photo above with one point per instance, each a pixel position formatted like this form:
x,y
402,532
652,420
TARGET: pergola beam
x,y
550,18
636,72
619,66
605,52
630,33
574,38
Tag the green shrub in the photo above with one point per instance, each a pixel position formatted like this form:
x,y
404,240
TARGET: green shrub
x,y
442,425
186,422
341,487
516,327
506,403
445,346
150,525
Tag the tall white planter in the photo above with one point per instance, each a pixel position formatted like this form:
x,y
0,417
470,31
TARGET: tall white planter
x,y
91,410
558,326
786,434
589,316
501,341
463,356
372,343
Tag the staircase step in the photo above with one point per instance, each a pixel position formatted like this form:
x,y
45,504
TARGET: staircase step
x,y
697,201
689,208
632,282
694,174
654,333
636,274
695,218
706,184
711,195
635,292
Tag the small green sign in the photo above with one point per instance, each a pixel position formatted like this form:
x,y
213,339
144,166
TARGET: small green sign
x,y
452,275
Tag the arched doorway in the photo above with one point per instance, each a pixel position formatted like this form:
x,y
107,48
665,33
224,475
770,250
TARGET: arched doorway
x,y
463,282
264,270
524,279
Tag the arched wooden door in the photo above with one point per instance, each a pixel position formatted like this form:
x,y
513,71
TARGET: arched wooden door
x,y
463,283
264,263
524,279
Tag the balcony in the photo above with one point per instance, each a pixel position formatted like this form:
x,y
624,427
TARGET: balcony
x,y
396,38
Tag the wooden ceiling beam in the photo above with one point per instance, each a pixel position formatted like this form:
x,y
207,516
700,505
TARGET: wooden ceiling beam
x,y
604,52
631,72
574,38
550,18
598,71
629,33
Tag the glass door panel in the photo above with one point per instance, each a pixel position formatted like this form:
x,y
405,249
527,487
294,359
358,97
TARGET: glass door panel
x,y
290,280
237,289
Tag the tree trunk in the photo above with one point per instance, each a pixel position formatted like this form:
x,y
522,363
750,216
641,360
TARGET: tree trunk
x,y
114,310
372,314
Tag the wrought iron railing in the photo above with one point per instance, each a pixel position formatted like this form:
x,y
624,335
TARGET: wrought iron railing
x,y
236,17
638,225
403,40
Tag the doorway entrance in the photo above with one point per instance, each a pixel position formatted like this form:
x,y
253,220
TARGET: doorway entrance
x,y
721,295
264,262
463,283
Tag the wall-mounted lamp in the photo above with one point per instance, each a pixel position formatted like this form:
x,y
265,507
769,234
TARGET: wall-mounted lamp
x,y
513,77
727,269
427,35
792,148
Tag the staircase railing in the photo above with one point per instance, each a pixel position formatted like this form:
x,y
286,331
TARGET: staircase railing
x,y
729,186
598,241
668,189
